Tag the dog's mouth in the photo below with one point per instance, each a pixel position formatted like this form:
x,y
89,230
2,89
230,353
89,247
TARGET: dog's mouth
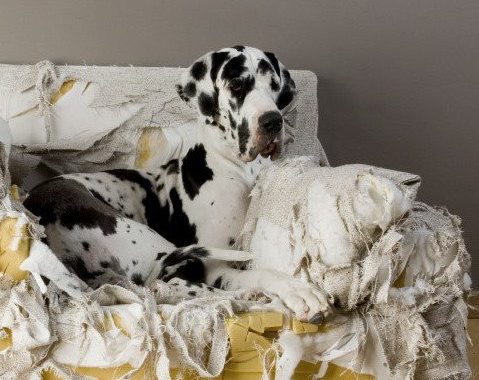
x,y
269,150
272,149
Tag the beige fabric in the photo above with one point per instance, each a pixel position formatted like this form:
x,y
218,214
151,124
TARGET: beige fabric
x,y
356,232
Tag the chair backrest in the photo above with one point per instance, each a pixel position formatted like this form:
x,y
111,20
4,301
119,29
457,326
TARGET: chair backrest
x,y
71,116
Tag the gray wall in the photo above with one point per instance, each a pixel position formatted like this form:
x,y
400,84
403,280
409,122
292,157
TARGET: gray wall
x,y
398,80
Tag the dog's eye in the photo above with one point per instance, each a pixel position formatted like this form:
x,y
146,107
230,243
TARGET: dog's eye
x,y
236,85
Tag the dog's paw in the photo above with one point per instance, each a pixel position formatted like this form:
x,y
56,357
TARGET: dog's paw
x,y
307,302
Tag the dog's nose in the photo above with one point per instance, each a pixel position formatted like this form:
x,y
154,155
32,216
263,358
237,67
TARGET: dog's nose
x,y
271,121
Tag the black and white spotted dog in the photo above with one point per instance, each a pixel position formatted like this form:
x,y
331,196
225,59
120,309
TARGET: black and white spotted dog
x,y
149,225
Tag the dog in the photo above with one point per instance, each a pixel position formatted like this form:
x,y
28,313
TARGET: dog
x,y
149,225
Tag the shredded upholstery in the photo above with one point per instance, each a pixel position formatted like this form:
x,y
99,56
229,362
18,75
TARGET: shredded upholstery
x,y
393,263
398,286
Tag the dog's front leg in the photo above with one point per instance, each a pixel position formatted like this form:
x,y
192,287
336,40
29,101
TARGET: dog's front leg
x,y
198,264
308,302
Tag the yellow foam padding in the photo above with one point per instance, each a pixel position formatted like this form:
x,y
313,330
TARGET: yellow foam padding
x,y
7,341
100,373
12,257
15,192
151,141
473,349
251,333
114,322
65,87
399,283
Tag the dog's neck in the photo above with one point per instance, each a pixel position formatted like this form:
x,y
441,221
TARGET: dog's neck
x,y
213,140
220,157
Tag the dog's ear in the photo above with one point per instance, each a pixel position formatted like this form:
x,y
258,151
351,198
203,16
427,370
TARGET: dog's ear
x,y
287,89
198,84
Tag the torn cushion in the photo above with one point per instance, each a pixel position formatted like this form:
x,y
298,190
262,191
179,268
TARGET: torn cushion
x,y
357,233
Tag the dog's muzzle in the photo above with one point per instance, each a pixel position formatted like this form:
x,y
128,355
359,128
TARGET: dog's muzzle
x,y
270,126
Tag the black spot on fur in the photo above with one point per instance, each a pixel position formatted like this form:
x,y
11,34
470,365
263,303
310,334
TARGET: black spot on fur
x,y
287,91
71,204
180,231
173,224
195,171
150,201
86,245
98,196
179,90
198,252
190,89
231,242
243,135
198,70
274,84
234,68
171,167
239,47
207,104
185,265
233,105
274,61
232,121
114,265
134,262
285,97
264,67
77,265
133,241
245,89
192,293
217,60
137,278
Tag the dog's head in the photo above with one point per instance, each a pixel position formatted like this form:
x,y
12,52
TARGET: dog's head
x,y
241,91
